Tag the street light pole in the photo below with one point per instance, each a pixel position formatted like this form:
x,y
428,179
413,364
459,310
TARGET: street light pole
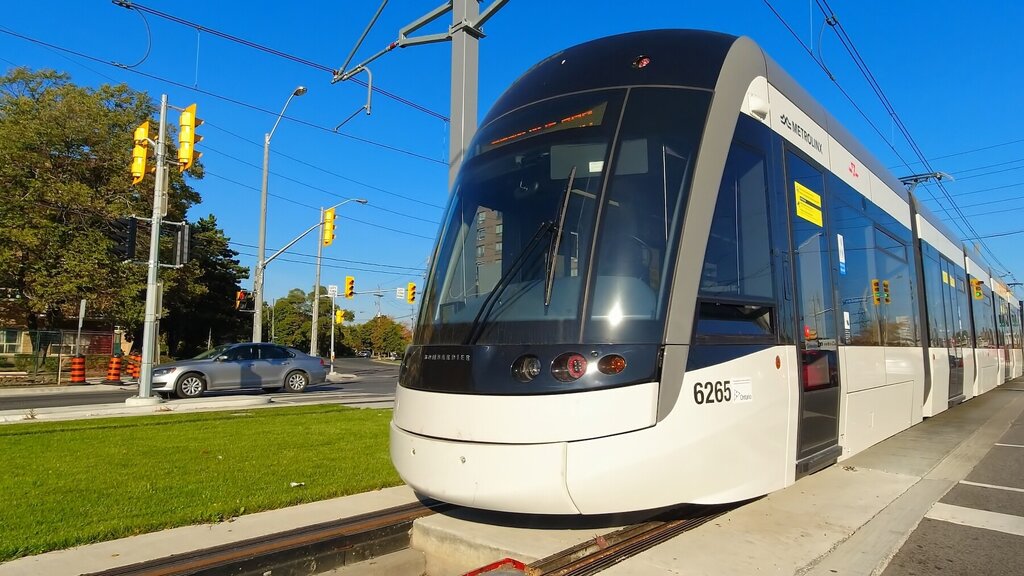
x,y
261,253
316,285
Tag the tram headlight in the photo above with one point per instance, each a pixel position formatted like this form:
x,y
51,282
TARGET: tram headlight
x,y
526,368
568,367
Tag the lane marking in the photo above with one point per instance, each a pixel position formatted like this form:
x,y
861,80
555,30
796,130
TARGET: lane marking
x,y
1010,445
1008,488
1005,523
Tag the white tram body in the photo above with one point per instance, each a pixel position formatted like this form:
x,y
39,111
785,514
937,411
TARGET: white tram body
x,y
667,275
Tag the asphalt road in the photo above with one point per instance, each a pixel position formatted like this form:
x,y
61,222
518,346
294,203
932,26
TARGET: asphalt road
x,y
373,379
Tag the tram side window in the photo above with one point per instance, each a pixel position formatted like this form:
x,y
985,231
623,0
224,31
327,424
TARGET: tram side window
x,y
898,323
984,320
857,269
938,333
736,288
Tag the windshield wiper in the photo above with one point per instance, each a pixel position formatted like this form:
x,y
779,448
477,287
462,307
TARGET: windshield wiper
x,y
475,328
553,251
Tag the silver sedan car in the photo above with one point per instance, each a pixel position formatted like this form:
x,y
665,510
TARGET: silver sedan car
x,y
267,366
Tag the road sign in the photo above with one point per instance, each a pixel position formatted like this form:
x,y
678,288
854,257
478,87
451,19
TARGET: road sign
x,y
332,291
400,293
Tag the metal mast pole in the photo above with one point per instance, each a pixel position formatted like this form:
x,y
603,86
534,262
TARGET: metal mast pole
x,y
316,286
149,331
261,252
465,67
334,313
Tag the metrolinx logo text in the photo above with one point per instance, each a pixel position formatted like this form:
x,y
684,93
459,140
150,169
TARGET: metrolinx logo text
x,y
800,132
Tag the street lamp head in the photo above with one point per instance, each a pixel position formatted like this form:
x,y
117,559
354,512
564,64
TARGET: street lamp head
x,y
361,200
299,91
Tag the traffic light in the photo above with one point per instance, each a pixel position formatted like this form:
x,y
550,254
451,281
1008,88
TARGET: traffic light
x,y
339,316
976,284
139,152
410,293
241,297
187,138
328,227
876,292
125,231
885,292
350,286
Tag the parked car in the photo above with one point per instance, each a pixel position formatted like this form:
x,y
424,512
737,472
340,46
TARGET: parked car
x,y
363,354
248,365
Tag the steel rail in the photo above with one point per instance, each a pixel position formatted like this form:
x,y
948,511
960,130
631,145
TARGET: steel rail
x,y
345,537
604,551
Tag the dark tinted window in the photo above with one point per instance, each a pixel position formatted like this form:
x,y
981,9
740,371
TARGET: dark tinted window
x,y
246,352
736,290
273,353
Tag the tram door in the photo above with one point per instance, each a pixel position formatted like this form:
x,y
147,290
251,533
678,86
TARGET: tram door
x,y
818,432
956,330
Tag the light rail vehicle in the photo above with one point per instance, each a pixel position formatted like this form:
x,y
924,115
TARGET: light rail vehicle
x,y
667,275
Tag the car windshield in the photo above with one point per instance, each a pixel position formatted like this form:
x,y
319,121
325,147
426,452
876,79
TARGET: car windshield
x,y
213,352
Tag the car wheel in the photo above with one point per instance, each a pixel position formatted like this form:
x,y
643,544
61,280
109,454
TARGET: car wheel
x,y
296,381
190,385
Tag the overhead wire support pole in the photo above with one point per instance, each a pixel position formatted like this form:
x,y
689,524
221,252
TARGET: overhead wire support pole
x,y
464,34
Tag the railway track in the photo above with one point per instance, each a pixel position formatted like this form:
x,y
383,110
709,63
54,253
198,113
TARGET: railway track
x,y
604,551
305,550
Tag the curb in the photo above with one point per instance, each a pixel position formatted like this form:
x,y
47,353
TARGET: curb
x,y
104,410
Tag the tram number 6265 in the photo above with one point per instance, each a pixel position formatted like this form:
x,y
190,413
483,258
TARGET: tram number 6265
x,y
712,392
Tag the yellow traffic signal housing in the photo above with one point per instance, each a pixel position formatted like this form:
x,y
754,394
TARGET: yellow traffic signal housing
x,y
350,287
339,317
139,152
329,227
410,293
187,138
876,292
885,292
976,284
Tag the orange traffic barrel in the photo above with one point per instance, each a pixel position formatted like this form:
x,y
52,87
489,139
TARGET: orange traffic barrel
x,y
135,365
78,370
114,370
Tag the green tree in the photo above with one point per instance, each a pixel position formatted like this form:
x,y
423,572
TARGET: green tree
x,y
65,151
199,300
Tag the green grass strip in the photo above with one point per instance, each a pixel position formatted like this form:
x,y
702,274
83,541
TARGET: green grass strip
x,y
69,483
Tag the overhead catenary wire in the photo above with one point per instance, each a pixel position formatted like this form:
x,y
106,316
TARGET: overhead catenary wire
x,y
223,98
274,52
851,48
408,269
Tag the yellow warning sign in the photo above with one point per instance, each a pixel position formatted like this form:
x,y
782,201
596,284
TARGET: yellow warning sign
x,y
808,204
945,277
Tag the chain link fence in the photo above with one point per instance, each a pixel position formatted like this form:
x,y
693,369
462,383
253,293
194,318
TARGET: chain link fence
x,y
45,355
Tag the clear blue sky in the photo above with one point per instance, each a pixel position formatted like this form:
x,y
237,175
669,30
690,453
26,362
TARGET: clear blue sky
x,y
953,72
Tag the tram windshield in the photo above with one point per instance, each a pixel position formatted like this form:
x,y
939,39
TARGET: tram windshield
x,y
543,242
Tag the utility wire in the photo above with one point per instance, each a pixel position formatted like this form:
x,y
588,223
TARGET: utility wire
x,y
410,269
339,216
274,52
334,266
322,169
317,188
223,98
